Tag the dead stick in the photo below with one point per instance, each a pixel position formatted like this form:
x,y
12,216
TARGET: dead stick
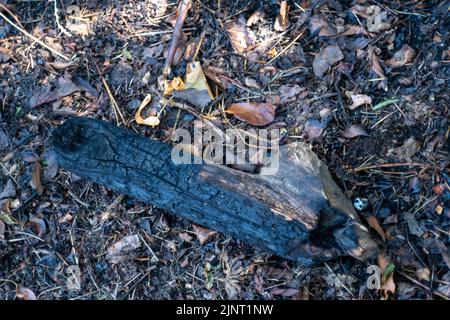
x,y
391,165
435,292
33,37
183,9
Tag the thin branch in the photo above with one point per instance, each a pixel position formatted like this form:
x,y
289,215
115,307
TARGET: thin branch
x,y
33,37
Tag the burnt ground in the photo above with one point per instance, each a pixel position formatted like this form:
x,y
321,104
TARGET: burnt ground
x,y
391,150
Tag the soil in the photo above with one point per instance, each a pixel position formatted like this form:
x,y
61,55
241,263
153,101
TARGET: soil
x,y
54,224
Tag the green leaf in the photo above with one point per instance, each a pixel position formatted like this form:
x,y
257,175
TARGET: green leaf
x,y
388,271
6,218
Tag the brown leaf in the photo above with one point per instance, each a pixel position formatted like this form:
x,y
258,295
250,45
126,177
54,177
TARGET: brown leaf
x,y
23,293
218,76
38,226
374,224
36,178
5,54
353,30
45,94
409,148
257,114
355,130
403,56
438,189
313,129
360,99
375,67
185,237
282,20
387,280
327,57
119,250
285,292
240,37
326,30
202,233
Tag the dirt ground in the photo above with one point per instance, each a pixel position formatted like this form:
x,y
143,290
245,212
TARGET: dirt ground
x,y
366,83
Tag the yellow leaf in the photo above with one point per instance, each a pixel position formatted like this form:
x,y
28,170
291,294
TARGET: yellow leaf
x,y
173,85
149,121
195,78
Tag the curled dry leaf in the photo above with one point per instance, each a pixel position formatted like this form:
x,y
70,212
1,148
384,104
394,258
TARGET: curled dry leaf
x,y
387,275
327,57
118,251
256,16
282,20
36,178
359,99
402,57
355,130
257,114
240,37
202,233
375,67
374,224
23,293
149,121
409,148
175,84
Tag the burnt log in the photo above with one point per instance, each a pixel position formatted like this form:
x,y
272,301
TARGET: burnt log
x,y
299,213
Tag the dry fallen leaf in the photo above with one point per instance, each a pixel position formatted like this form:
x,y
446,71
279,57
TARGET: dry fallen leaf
x,y
377,20
402,57
313,129
375,67
36,178
202,233
241,37
282,20
23,293
359,99
257,114
149,121
285,292
38,226
5,54
326,30
423,274
218,76
327,57
173,85
119,250
355,130
195,78
374,224
387,275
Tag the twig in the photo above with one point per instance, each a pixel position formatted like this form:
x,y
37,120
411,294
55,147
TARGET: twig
x,y
183,9
391,165
33,37
287,47
435,292
60,27
115,107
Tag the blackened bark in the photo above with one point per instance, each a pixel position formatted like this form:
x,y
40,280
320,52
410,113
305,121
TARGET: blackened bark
x,y
299,213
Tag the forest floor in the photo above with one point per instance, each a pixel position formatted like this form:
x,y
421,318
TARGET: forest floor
x,y
366,83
